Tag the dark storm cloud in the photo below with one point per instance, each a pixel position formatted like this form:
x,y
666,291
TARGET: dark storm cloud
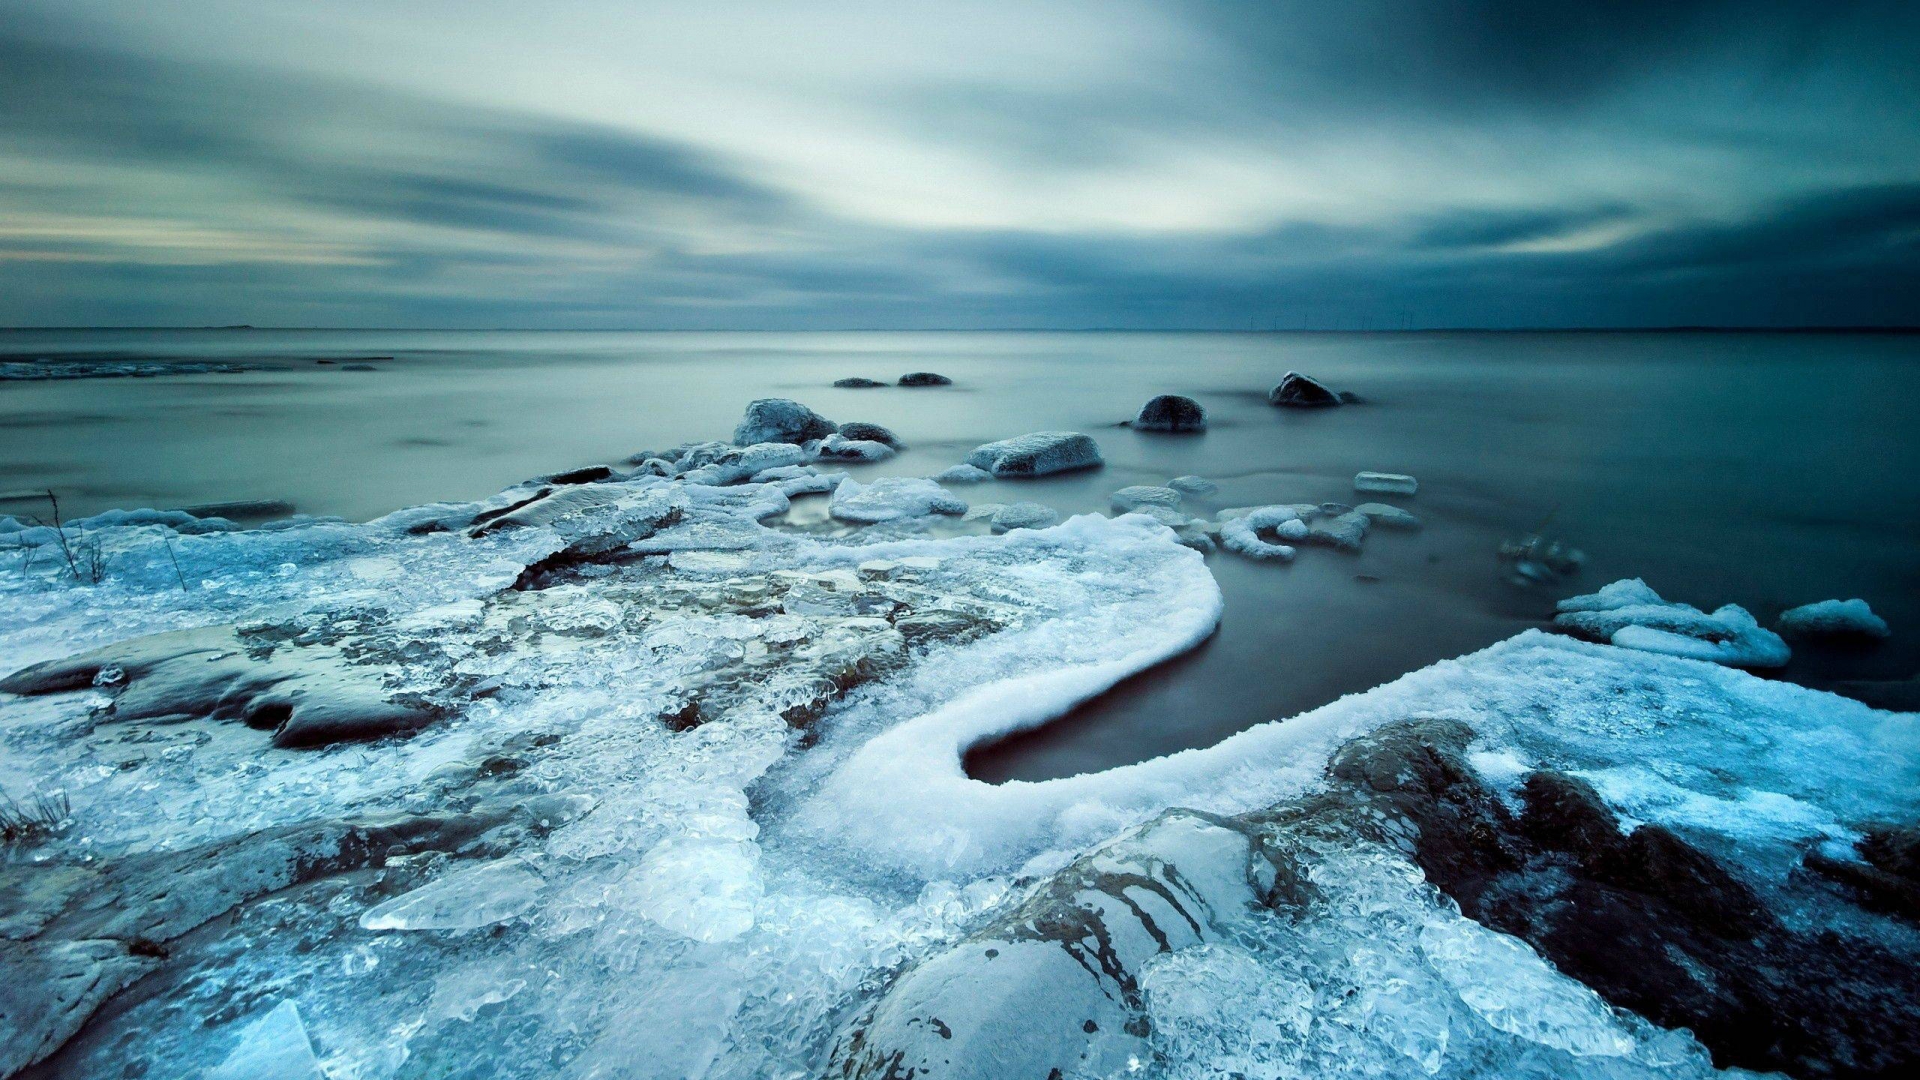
x,y
1436,163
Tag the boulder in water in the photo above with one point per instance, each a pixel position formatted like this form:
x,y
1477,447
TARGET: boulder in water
x,y
870,433
857,383
1171,412
1140,496
1297,391
924,378
1023,515
1041,453
779,420
1838,619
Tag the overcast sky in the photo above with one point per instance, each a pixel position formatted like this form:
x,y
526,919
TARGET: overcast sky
x,y
727,163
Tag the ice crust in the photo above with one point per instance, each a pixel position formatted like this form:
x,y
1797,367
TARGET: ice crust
x,y
1630,614
693,805
1833,618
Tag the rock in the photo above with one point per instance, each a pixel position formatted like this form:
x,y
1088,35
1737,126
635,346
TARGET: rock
x,y
839,447
48,989
856,382
1630,614
870,433
1297,391
779,420
1377,483
1343,531
1134,498
1387,517
1833,619
1052,988
1241,533
1193,485
891,498
1171,412
1041,453
589,474
924,378
719,463
1023,515
962,474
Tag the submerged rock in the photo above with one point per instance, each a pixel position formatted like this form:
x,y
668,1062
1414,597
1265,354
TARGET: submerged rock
x,y
1387,517
1630,614
1023,515
1193,485
1833,619
1141,496
857,382
1344,531
961,474
780,420
924,378
1039,454
1298,391
1171,412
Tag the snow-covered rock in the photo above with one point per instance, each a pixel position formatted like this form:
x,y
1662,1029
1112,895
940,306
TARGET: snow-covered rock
x,y
780,420
1630,614
1139,496
890,498
1344,530
1379,483
838,447
1041,453
1241,533
1171,412
961,474
1023,515
1833,618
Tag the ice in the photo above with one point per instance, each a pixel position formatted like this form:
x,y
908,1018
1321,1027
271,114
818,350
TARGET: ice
x,y
705,889
1039,454
1379,483
1023,515
1241,533
1515,991
275,1047
890,498
838,447
466,899
1833,618
1630,614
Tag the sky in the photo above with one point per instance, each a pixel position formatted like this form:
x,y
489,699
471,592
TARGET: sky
x,y
1177,164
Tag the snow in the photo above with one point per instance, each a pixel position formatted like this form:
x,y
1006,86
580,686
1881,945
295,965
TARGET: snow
x,y
890,498
1833,618
1041,453
1241,533
726,898
838,447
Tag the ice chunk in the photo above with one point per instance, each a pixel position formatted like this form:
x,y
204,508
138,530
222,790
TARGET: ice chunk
x,y
1139,496
1171,412
1038,454
780,420
1387,517
1241,534
1193,485
1023,515
1379,483
1833,618
1514,990
701,888
890,498
839,447
1630,614
274,1047
462,900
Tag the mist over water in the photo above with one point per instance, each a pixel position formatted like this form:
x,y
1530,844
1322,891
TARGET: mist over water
x,y
1766,470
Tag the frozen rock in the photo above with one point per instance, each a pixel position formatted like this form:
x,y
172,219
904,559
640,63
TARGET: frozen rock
x,y
1193,485
780,420
924,378
1241,533
1387,517
274,1047
464,900
722,464
594,519
870,433
890,498
1041,453
857,382
1140,496
1023,515
1344,531
1630,614
962,474
1379,483
1833,618
1171,412
838,447
1298,391
48,989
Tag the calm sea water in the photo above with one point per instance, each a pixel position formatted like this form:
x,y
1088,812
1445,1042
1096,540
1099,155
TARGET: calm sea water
x,y
1767,470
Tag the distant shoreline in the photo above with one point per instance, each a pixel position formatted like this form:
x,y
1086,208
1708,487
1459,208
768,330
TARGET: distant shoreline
x,y
1868,329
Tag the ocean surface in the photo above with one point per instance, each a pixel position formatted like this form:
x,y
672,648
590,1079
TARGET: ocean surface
x,y
1767,470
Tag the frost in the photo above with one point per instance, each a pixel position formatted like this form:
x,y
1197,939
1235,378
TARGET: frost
x,y
1630,614
1039,454
464,900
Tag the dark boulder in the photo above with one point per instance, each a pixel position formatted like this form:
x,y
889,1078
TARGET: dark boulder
x,y
924,378
1171,412
857,382
870,433
1297,391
